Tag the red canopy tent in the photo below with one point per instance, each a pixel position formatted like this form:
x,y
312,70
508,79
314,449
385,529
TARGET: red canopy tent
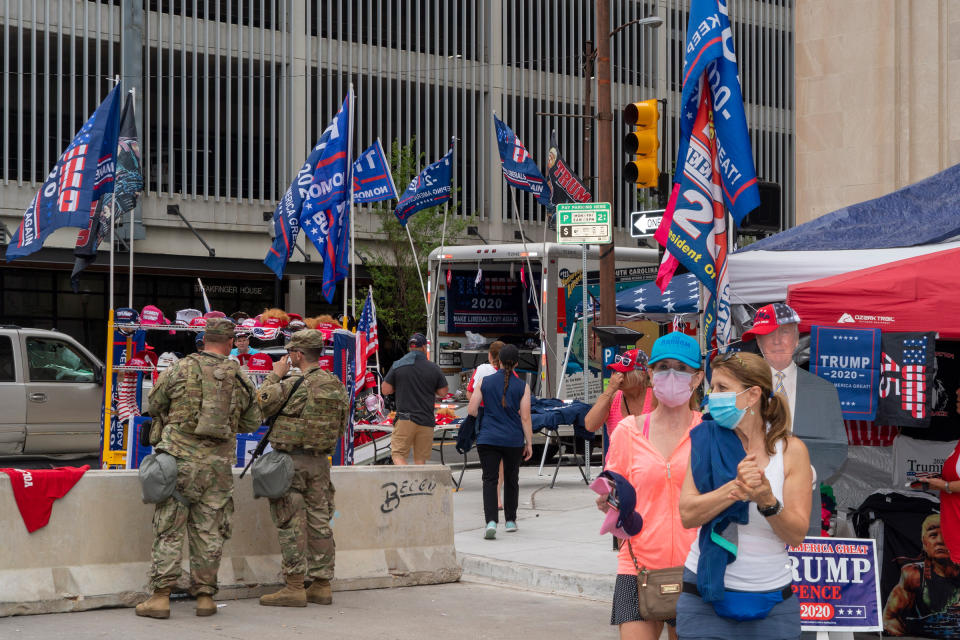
x,y
916,294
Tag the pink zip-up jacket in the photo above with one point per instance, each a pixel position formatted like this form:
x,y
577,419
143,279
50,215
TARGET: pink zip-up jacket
x,y
663,542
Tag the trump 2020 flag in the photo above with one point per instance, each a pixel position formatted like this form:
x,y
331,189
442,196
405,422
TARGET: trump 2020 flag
x,y
429,188
83,174
372,180
336,249
714,163
519,169
326,215
127,187
287,216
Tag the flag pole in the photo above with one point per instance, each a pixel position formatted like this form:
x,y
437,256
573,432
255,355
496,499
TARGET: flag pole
x,y
419,272
351,217
133,102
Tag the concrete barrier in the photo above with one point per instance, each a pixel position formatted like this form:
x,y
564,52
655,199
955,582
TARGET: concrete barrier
x,y
393,527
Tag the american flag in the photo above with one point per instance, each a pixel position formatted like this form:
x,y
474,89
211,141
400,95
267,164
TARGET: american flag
x,y
366,341
911,384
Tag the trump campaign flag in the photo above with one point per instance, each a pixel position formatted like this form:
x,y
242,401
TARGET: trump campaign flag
x,y
83,174
429,188
519,169
325,217
372,180
127,187
714,163
564,184
287,216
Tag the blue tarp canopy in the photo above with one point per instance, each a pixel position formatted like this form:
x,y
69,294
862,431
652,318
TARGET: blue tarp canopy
x,y
682,296
925,212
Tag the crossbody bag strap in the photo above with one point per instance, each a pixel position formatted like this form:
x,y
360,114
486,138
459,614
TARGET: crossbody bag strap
x,y
635,565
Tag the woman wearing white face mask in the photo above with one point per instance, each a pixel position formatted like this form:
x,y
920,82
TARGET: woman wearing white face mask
x,y
652,452
748,488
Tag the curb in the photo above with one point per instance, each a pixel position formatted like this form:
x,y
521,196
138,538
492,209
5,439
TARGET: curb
x,y
543,579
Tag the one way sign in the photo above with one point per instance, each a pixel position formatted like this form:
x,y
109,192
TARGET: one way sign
x,y
643,224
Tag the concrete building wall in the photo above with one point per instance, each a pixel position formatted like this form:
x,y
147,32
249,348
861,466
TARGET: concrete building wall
x,y
877,84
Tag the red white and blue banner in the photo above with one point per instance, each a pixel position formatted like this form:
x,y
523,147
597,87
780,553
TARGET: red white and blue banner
x,y
519,169
372,179
836,582
850,359
429,188
318,183
715,166
83,174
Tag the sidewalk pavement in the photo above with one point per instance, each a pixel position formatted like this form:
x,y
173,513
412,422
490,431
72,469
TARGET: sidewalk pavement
x,y
557,549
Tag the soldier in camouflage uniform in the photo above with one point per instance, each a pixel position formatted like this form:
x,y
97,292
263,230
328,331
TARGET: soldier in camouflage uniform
x,y
308,429
198,404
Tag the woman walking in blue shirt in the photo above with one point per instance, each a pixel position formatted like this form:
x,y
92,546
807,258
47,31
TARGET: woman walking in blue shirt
x,y
505,435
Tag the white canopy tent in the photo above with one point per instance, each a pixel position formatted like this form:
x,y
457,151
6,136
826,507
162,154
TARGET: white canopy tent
x,y
763,276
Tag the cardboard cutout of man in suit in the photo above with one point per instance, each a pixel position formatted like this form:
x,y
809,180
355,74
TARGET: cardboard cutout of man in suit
x,y
814,404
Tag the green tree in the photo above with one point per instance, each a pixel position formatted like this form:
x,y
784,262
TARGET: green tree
x,y
396,286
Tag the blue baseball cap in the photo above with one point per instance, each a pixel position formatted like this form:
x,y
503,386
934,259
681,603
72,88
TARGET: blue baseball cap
x,y
622,521
679,346
199,337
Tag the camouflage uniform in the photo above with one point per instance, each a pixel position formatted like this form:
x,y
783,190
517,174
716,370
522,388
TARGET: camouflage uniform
x,y
204,476
308,428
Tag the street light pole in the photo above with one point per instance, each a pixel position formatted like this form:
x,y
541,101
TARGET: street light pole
x,y
608,292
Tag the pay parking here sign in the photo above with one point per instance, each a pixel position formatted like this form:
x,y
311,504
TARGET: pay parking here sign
x,y
836,582
584,223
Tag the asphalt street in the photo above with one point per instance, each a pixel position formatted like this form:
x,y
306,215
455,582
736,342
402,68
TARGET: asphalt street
x,y
460,610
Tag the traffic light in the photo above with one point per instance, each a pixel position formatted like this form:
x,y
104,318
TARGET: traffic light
x,y
643,143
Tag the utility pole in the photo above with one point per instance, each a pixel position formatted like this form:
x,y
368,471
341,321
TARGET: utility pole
x,y
608,293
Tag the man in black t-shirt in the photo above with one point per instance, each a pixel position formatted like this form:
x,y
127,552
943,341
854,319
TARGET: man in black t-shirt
x,y
417,383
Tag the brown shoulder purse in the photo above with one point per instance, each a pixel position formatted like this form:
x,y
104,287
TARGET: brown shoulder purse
x,y
657,590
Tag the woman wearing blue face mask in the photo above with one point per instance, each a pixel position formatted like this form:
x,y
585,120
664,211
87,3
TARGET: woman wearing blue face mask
x,y
748,488
652,451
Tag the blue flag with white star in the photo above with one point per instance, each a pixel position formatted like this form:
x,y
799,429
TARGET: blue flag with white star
x,y
83,173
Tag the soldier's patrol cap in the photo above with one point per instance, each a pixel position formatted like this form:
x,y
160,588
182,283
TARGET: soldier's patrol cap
x,y
306,339
219,327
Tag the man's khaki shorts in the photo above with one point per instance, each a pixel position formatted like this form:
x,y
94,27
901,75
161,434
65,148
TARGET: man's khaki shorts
x,y
406,434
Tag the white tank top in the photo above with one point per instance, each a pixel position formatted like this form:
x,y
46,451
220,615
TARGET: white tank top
x,y
762,562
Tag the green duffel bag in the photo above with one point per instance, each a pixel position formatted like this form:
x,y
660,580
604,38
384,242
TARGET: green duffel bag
x,y
158,478
272,475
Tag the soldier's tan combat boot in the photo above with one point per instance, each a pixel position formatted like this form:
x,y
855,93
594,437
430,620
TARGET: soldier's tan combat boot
x,y
320,592
157,606
205,605
292,595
